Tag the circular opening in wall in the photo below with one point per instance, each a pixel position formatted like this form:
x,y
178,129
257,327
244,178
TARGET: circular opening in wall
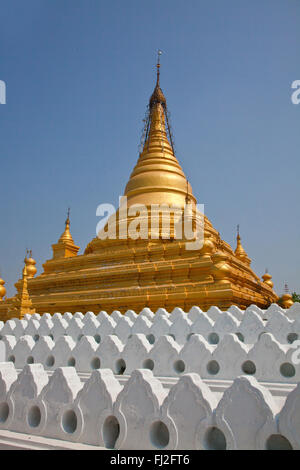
x,y
50,361
69,421
278,442
241,337
159,435
179,366
120,367
214,439
71,362
213,338
79,337
95,363
248,367
291,337
189,336
4,412
287,369
148,364
172,336
11,359
151,339
30,360
110,432
51,336
213,367
34,416
97,338
36,338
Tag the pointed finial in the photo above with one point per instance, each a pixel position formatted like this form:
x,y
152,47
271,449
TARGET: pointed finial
x,y
159,53
66,236
30,264
238,231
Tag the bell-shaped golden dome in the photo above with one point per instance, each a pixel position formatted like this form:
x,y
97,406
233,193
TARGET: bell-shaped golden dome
x,y
158,177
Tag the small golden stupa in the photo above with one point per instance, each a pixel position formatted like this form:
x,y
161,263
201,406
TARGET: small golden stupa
x,y
126,273
21,303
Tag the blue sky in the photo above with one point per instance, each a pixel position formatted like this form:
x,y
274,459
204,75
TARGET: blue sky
x,y
79,74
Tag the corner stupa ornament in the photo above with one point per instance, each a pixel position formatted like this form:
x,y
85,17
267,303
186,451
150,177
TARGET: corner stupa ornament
x,y
30,264
65,247
157,95
2,289
267,279
286,298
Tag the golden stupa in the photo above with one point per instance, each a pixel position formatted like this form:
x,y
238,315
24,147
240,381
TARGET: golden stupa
x,y
127,273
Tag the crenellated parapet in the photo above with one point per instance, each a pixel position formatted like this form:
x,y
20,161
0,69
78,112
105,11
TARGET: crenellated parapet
x,y
214,344
145,412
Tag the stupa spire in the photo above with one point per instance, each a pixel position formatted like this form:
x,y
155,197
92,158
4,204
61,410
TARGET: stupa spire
x,y
66,235
239,251
286,298
125,272
30,264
